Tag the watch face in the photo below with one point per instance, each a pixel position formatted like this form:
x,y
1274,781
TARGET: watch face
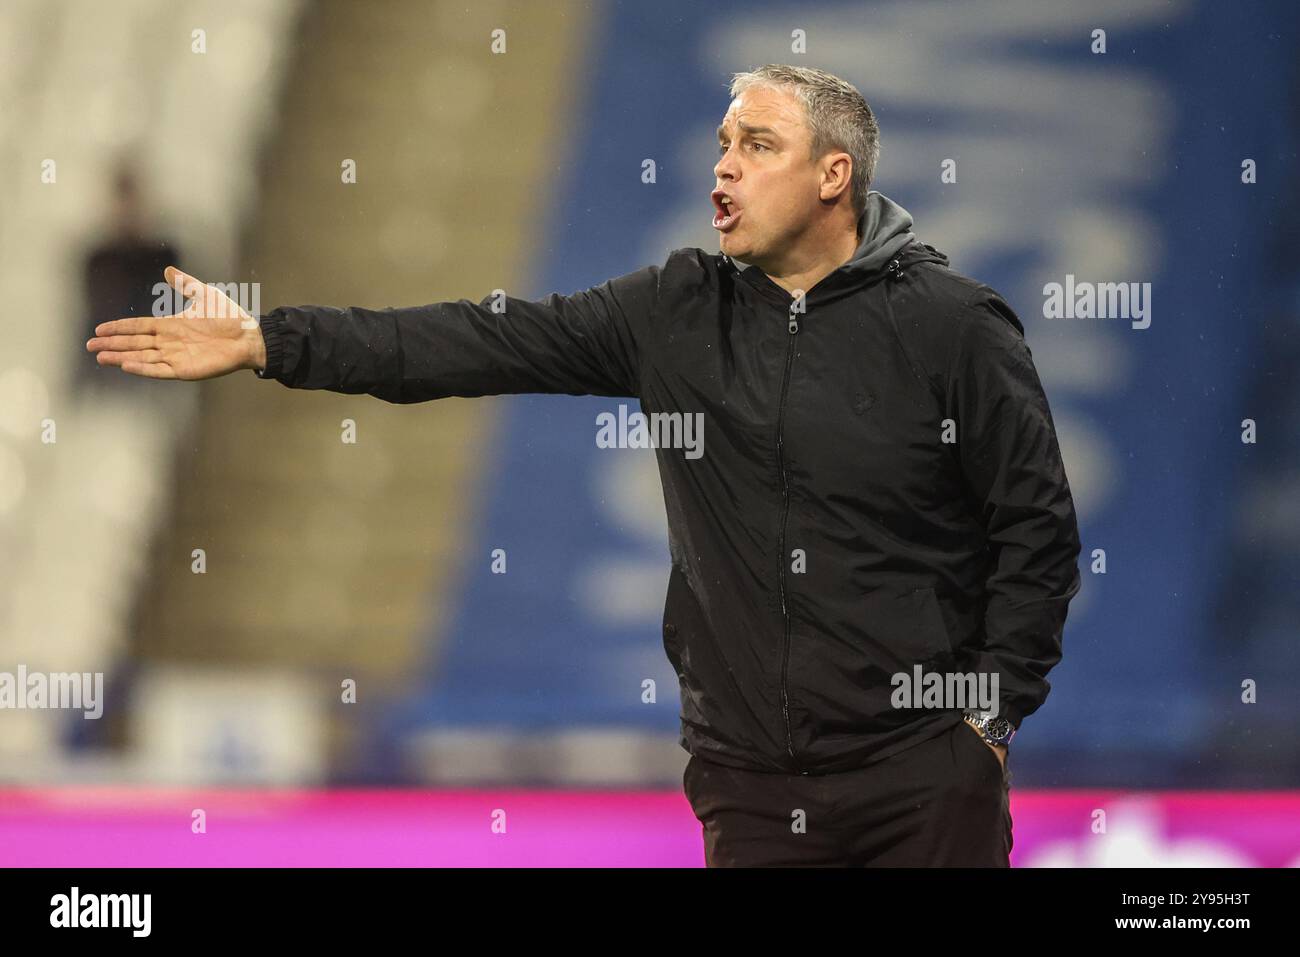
x,y
999,729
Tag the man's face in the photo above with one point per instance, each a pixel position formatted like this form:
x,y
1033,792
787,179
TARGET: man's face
x,y
768,186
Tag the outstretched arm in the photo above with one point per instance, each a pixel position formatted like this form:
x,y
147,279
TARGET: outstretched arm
x,y
586,343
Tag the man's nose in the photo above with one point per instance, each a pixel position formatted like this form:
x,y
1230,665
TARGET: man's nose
x,y
726,167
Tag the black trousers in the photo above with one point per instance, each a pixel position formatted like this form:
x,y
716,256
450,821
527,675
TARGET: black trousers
x,y
944,802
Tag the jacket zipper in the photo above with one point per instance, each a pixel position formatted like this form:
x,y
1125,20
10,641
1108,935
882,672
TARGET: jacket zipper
x,y
785,514
895,270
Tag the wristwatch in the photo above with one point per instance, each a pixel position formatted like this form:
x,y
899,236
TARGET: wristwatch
x,y
993,729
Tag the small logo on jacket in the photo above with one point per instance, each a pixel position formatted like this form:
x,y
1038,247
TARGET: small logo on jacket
x,y
658,430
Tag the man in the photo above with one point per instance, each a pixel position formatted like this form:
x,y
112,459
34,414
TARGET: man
x,y
881,496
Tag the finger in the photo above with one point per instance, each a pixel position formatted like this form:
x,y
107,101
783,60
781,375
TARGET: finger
x,y
120,343
185,284
149,370
120,358
120,327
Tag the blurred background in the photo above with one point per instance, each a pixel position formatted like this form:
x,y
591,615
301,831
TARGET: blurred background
x,y
229,564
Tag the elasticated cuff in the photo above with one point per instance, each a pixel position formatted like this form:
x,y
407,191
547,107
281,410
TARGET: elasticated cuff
x,y
272,325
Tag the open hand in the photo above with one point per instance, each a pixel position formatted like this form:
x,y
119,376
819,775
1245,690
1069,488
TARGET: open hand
x,y
211,337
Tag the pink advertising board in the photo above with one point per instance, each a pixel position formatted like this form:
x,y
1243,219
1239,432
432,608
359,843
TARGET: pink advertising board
x,y
78,827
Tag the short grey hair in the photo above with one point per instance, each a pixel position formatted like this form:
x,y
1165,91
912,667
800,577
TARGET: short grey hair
x,y
837,115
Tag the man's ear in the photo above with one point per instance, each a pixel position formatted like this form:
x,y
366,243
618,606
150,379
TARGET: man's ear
x,y
837,175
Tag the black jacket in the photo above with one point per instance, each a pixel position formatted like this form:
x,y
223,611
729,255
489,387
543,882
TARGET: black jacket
x,y
824,432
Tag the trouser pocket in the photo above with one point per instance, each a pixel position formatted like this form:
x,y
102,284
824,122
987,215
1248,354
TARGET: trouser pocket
x,y
971,740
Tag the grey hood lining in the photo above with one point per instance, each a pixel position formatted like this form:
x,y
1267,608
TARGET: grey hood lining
x,y
885,228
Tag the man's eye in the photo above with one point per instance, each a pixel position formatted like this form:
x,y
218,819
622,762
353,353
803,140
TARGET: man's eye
x,y
758,146
722,149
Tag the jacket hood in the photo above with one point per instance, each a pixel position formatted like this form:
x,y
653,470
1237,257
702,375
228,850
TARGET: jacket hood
x,y
886,239
887,243
885,228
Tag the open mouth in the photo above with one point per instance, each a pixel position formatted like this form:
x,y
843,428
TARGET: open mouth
x,y
725,211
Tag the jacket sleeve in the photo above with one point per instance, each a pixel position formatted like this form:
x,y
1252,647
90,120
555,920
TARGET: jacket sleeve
x,y
1012,468
581,344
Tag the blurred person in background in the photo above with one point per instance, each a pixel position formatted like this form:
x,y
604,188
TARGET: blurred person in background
x,y
119,274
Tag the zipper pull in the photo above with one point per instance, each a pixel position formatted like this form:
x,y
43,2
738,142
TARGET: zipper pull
x,y
895,268
794,324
